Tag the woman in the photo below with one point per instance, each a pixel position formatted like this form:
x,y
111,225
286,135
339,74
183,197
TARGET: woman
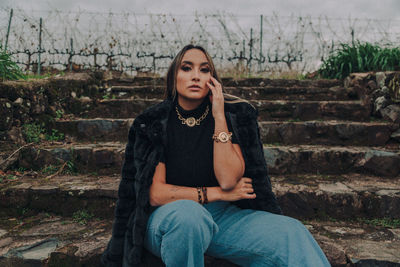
x,y
195,181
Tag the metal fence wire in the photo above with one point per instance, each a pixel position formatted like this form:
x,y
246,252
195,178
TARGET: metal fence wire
x,y
134,42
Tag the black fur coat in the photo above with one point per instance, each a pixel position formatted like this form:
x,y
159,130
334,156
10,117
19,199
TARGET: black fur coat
x,y
147,139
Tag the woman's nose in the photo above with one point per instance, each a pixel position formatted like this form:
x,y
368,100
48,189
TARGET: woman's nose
x,y
196,75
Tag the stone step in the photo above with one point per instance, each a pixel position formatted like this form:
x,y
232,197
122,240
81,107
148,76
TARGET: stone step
x,y
32,238
268,109
344,197
107,157
302,196
282,132
249,93
230,82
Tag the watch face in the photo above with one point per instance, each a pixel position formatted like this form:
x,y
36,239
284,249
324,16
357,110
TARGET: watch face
x,y
223,137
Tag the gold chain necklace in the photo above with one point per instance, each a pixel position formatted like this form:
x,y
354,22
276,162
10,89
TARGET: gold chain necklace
x,y
191,121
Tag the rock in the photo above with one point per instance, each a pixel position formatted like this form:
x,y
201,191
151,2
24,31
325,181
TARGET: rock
x,y
385,91
335,189
37,251
380,103
85,99
344,230
372,84
377,93
380,79
15,135
73,94
347,131
2,232
6,114
396,135
395,232
381,163
53,228
5,242
18,101
391,113
372,253
9,162
335,254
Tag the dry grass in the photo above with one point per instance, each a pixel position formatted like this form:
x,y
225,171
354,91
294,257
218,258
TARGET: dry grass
x,y
243,73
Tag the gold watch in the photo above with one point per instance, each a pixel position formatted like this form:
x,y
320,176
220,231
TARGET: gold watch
x,y
222,137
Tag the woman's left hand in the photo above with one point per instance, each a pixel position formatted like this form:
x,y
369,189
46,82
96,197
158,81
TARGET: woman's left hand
x,y
216,98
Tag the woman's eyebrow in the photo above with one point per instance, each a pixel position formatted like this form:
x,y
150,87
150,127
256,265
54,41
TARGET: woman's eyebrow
x,y
191,63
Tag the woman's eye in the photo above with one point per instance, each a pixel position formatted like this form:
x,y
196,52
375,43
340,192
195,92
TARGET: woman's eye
x,y
185,68
205,70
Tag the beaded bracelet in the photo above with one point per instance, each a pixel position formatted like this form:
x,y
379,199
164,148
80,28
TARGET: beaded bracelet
x,y
204,189
199,195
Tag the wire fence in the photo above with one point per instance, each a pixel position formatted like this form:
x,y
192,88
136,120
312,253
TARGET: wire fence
x,y
134,42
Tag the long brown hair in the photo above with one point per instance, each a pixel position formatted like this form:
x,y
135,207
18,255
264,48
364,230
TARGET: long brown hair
x,y
170,89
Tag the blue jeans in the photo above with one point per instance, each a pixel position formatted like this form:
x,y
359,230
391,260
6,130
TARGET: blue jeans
x,y
180,232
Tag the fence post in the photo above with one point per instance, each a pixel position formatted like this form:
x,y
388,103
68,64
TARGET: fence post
x,y
154,64
95,57
251,49
244,48
40,46
70,54
8,29
261,36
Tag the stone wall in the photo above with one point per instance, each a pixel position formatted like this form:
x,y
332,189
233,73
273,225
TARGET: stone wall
x,y
380,90
23,102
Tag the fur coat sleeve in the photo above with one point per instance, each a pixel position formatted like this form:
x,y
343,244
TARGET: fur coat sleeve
x,y
126,202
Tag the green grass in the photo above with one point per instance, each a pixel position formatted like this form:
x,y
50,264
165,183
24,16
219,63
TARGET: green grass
x,y
384,222
42,76
59,114
9,70
70,168
82,216
35,132
50,169
54,136
359,57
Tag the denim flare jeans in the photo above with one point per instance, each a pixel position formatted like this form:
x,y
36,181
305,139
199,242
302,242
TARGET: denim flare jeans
x,y
181,232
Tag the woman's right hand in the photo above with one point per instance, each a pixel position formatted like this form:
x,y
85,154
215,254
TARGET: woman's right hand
x,y
242,190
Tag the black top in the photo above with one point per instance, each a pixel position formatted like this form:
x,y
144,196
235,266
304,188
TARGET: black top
x,y
189,153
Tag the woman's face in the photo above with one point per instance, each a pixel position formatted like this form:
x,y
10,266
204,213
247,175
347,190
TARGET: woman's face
x,y
193,73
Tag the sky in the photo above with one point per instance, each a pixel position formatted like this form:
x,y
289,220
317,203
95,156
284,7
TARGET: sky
x,y
366,9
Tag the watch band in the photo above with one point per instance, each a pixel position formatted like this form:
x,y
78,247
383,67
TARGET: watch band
x,y
222,137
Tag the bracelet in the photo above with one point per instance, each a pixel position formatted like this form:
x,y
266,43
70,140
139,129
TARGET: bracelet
x,y
199,195
204,189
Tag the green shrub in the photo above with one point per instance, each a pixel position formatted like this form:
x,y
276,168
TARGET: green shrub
x,y
55,136
360,57
9,70
50,169
33,132
36,132
70,167
82,216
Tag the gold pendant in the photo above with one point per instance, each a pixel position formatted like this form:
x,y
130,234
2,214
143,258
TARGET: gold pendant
x,y
190,121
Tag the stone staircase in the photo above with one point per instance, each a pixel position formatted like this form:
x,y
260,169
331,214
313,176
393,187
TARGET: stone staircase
x,y
332,165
